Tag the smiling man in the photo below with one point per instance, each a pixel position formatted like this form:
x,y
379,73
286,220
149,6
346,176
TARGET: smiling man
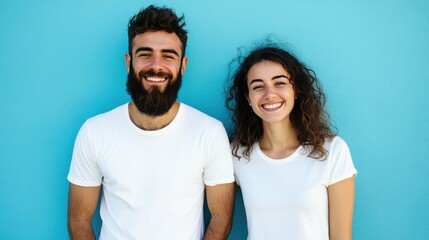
x,y
154,157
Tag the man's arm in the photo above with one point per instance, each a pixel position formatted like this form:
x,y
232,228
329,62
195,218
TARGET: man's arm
x,y
220,201
341,201
82,204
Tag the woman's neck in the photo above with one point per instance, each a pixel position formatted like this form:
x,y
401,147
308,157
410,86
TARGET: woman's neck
x,y
279,140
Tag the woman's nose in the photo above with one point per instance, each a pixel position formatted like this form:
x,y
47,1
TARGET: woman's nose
x,y
269,93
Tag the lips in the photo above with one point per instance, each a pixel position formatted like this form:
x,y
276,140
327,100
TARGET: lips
x,y
272,106
155,77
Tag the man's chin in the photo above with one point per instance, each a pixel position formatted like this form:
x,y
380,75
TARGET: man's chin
x,y
153,88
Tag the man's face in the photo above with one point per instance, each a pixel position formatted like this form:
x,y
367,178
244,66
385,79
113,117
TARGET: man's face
x,y
154,71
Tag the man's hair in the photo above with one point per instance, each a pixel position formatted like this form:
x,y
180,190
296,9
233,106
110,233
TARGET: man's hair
x,y
155,18
307,117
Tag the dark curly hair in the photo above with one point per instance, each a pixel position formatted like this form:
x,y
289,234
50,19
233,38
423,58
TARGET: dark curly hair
x,y
308,116
155,18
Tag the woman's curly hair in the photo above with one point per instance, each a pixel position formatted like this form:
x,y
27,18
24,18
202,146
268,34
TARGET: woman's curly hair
x,y
308,116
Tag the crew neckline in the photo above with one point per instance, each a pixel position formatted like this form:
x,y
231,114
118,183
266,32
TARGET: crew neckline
x,y
152,132
281,160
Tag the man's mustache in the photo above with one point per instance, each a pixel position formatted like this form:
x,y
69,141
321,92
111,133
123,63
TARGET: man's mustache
x,y
152,73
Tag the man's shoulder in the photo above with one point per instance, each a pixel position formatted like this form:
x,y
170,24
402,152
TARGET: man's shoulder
x,y
110,114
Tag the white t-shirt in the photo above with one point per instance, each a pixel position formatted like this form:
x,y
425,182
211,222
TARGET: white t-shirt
x,y
287,198
153,181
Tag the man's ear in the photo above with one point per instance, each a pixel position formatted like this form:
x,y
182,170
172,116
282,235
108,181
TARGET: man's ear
x,y
128,61
184,63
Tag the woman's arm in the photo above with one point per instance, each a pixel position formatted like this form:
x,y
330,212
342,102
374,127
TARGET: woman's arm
x,y
341,202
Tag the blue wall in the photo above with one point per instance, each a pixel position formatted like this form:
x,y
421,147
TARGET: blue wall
x,y
62,62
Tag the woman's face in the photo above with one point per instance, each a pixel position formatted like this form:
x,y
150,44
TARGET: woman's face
x,y
271,94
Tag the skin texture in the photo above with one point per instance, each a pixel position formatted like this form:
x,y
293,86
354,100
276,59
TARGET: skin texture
x,y
279,139
341,201
82,204
220,201
269,87
160,51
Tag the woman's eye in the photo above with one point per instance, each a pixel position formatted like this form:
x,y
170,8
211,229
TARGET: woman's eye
x,y
280,83
257,87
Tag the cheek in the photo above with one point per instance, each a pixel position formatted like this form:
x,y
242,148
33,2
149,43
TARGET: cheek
x,y
139,65
288,93
172,67
252,98
256,110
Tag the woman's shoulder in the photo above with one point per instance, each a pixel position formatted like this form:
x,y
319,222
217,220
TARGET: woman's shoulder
x,y
335,143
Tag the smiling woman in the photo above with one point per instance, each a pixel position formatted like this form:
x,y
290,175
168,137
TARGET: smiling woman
x,y
271,94
296,176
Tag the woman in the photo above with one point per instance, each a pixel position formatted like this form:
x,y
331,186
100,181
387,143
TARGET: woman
x,y
296,175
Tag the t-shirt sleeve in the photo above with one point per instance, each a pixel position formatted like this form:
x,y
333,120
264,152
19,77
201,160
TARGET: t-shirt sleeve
x,y
84,169
340,162
237,181
218,167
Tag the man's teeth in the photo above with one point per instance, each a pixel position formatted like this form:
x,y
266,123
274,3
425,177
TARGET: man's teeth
x,y
155,79
272,106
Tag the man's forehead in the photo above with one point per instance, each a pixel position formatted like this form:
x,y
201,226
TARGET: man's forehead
x,y
157,41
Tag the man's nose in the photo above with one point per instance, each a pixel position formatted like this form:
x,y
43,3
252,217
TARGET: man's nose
x,y
156,63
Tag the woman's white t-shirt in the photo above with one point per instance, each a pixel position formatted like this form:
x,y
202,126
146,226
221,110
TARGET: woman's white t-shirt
x,y
287,198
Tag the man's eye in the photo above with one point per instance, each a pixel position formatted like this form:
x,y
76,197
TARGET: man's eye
x,y
169,57
144,55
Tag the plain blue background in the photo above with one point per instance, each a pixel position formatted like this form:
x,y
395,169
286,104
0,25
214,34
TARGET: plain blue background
x,y
61,62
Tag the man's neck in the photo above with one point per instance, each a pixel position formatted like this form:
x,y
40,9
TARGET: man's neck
x,y
150,123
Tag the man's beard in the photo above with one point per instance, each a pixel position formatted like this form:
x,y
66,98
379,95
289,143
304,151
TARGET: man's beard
x,y
153,102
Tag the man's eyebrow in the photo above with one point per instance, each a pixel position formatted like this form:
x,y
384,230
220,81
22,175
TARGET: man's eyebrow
x,y
170,51
143,49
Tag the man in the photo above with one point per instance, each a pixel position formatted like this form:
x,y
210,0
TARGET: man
x,y
154,157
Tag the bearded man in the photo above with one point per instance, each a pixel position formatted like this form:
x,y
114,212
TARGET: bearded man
x,y
154,157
